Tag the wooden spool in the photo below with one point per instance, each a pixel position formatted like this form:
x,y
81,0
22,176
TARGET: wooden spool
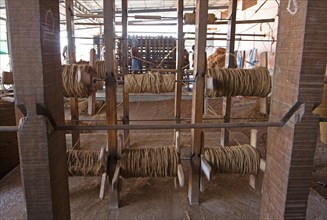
x,y
7,77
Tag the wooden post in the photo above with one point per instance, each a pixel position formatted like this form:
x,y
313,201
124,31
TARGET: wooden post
x,y
179,66
125,68
91,99
263,61
230,63
33,33
71,58
111,99
197,99
298,78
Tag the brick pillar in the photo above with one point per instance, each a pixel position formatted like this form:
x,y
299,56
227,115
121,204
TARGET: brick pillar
x,y
299,72
33,28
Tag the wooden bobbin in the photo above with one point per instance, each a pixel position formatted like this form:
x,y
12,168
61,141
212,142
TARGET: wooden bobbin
x,y
255,181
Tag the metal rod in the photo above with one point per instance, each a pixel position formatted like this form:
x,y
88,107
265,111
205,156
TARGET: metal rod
x,y
156,10
8,128
169,126
222,34
174,24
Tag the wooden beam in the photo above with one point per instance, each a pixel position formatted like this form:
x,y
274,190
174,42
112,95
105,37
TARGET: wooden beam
x,y
263,102
179,66
230,63
34,39
111,99
125,68
291,149
71,58
197,99
91,99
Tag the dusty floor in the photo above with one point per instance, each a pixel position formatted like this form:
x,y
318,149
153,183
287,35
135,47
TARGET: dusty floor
x,y
225,196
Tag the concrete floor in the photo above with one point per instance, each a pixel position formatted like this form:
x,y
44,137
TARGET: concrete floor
x,y
225,197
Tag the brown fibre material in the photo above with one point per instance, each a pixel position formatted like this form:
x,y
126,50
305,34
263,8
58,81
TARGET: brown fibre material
x,y
73,86
217,59
240,82
242,159
149,83
322,111
101,69
82,106
84,163
149,162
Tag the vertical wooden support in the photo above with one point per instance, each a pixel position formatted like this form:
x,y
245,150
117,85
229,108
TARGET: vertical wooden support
x,y
179,74
111,99
91,99
197,99
71,58
230,63
125,68
298,79
263,102
33,33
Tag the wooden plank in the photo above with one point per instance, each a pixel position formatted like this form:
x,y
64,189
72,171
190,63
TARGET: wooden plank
x,y
91,99
179,66
125,69
230,63
74,114
263,102
197,99
248,3
42,151
111,99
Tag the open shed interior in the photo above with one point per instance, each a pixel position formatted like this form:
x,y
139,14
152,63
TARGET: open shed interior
x,y
170,109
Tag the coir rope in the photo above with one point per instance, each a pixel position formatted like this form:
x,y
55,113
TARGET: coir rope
x,y
149,162
149,83
73,86
101,69
243,82
84,163
242,159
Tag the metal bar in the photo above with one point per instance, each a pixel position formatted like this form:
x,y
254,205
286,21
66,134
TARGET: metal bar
x,y
248,21
8,128
217,22
169,126
222,34
156,10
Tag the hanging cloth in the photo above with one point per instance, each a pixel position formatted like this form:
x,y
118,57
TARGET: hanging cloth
x,y
253,57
